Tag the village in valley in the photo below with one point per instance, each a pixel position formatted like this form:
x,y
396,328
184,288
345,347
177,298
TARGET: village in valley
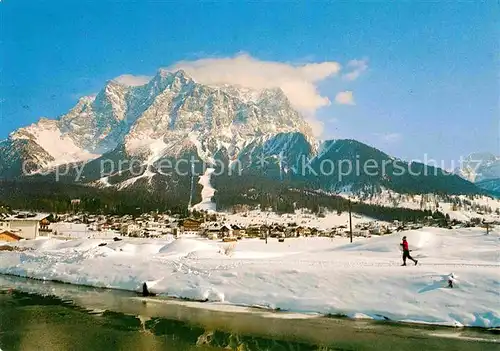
x,y
242,222
203,255
235,258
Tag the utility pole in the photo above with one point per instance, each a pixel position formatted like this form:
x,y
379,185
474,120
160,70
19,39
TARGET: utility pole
x,y
350,219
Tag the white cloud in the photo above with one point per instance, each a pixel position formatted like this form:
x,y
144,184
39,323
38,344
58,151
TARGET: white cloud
x,y
132,81
389,138
357,68
298,82
317,126
345,98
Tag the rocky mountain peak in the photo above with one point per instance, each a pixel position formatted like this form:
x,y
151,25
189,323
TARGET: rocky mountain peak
x,y
480,166
170,108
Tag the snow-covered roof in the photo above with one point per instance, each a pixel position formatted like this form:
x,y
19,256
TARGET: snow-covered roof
x,y
215,226
25,216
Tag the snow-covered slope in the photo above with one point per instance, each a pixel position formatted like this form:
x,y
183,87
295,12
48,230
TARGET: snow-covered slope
x,y
458,207
207,193
95,125
311,275
490,185
61,148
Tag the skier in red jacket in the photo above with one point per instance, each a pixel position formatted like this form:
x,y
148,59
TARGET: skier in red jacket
x,y
406,252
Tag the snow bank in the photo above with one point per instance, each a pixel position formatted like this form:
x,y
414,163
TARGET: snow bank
x,y
190,248
316,275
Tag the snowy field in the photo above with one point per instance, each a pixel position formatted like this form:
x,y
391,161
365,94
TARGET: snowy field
x,y
300,218
435,202
308,275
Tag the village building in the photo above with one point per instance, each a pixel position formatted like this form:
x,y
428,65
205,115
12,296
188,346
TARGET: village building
x,y
226,232
264,231
45,226
211,230
253,231
278,231
4,224
157,226
303,231
238,231
215,231
26,225
130,229
8,236
190,226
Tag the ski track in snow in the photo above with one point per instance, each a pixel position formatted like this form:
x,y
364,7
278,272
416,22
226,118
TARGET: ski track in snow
x,y
207,192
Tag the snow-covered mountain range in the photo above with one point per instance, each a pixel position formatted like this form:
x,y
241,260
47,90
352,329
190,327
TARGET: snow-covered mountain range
x,y
482,169
479,167
173,117
161,118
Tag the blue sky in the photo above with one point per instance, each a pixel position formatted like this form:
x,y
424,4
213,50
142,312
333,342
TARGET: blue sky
x,y
430,87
